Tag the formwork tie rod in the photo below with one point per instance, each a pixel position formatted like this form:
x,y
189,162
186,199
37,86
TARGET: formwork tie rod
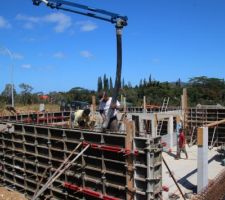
x,y
65,165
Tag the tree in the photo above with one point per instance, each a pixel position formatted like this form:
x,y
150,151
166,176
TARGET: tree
x,y
150,80
206,90
129,84
99,84
7,93
56,97
105,82
110,84
201,89
141,83
178,83
123,83
144,82
26,95
25,88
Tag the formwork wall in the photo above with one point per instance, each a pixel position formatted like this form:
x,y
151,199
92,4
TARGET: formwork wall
x,y
110,169
198,117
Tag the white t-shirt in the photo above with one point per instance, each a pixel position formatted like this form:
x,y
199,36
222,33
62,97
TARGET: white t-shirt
x,y
106,105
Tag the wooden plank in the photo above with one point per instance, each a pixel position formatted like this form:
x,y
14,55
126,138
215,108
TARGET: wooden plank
x,y
94,103
200,137
184,106
144,102
129,160
216,123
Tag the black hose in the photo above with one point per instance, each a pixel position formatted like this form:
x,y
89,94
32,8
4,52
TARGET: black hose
x,y
118,77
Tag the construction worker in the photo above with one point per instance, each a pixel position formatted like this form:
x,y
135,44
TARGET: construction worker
x,y
182,144
104,106
178,127
80,118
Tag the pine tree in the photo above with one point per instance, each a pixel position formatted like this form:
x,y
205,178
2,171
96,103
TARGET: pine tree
x,y
145,82
100,84
150,80
129,84
123,83
141,83
110,84
179,82
106,82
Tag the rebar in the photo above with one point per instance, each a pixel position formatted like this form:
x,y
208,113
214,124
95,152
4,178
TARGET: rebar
x,y
215,189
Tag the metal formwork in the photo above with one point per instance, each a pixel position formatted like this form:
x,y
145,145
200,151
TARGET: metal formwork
x,y
198,117
110,169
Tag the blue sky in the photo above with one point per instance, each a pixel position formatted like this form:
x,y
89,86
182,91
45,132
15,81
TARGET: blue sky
x,y
55,51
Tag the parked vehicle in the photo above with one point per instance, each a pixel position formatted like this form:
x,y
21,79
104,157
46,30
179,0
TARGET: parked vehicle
x,y
74,105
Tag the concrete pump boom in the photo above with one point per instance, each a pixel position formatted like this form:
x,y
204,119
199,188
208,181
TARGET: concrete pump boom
x,y
118,20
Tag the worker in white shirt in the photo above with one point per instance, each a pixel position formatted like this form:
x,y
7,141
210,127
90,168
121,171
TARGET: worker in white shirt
x,y
104,106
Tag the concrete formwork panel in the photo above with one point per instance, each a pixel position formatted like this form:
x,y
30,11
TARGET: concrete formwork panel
x,y
32,152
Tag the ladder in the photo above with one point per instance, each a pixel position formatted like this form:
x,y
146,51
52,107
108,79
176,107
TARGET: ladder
x,y
213,143
162,109
165,104
192,140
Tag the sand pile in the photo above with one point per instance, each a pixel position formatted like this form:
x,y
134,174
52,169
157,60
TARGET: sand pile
x,y
10,195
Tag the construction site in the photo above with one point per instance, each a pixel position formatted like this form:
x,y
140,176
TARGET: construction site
x,y
43,158
43,155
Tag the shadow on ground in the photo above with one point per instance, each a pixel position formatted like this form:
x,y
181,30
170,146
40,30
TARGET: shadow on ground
x,y
187,184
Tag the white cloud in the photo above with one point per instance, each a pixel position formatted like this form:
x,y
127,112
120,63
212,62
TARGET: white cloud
x,y
29,39
86,54
45,68
59,55
26,66
28,18
156,60
4,23
87,26
18,56
28,25
62,21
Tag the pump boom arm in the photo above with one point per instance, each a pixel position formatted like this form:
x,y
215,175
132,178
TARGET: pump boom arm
x,y
80,9
118,20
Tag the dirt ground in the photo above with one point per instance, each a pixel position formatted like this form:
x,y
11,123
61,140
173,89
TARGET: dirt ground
x,y
9,195
29,108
